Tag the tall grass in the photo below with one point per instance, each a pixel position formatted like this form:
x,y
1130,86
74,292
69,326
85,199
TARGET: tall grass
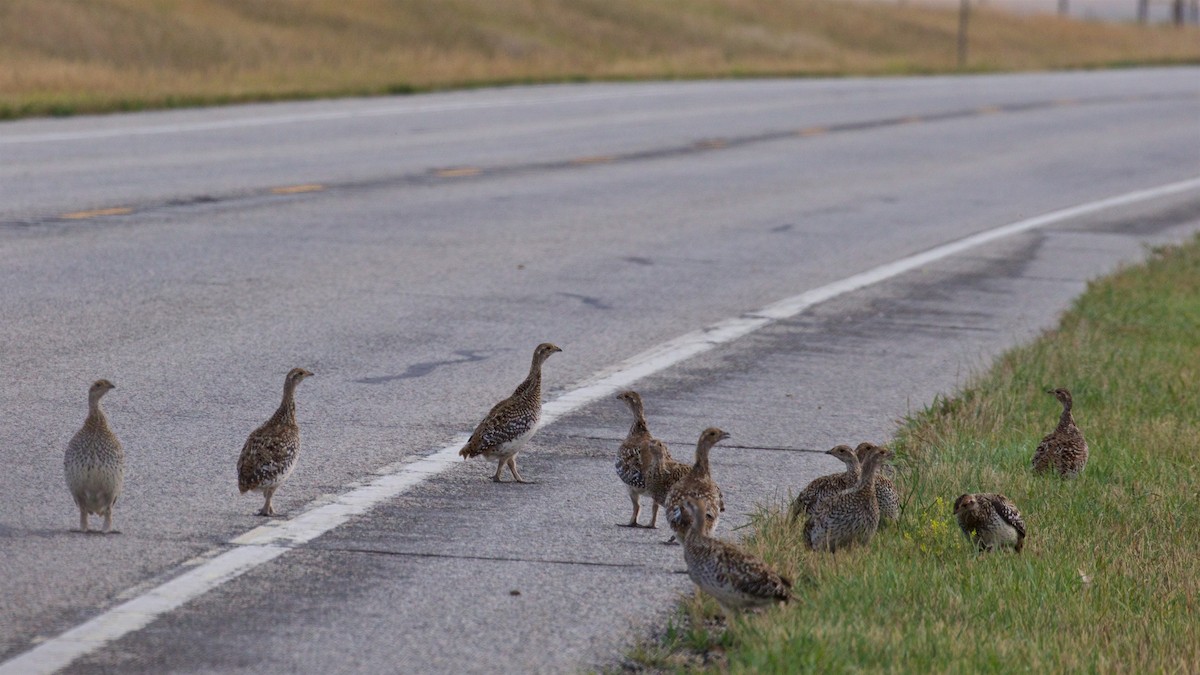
x,y
64,56
1110,577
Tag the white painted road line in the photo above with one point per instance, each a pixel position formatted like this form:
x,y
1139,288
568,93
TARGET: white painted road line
x,y
267,542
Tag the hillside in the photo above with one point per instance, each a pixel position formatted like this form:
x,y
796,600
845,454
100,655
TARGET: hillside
x,y
66,56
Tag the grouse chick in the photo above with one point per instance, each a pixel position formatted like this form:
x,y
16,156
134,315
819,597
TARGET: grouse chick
x,y
660,474
698,486
511,422
990,521
1064,450
270,452
629,465
885,489
823,487
94,463
734,578
850,517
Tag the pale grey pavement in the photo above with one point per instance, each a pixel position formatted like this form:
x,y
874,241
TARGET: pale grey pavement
x,y
1117,11
417,299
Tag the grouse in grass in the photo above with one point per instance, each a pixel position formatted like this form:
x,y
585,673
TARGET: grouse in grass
x,y
735,579
1063,450
850,517
991,521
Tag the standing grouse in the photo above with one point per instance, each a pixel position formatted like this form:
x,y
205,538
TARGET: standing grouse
x,y
511,422
271,450
95,463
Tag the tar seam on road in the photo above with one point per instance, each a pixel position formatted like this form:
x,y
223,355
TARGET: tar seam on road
x,y
267,542
463,172
484,558
688,443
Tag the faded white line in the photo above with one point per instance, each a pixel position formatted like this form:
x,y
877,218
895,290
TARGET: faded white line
x,y
267,542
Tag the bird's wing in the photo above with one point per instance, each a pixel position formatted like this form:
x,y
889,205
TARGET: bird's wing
x,y
821,487
665,479
750,575
1008,512
1073,446
810,527
504,423
268,452
691,488
1043,453
629,465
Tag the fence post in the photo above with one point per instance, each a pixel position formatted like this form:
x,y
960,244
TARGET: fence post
x,y
964,10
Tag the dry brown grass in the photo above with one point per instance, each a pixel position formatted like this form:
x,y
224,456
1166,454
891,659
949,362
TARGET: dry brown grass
x,y
63,56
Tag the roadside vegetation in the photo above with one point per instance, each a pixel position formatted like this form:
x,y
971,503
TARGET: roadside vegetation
x,y
73,56
1110,577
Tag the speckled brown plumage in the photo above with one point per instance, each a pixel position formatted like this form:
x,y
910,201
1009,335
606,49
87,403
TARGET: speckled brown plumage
x,y
734,578
94,463
823,487
660,473
849,517
513,421
990,521
630,468
885,489
1064,450
271,451
698,486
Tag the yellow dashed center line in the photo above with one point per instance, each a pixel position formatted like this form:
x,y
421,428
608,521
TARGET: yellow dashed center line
x,y
80,215
466,171
297,189
458,172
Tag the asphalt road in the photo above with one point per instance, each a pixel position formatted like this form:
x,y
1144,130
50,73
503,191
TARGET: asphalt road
x,y
412,251
1122,11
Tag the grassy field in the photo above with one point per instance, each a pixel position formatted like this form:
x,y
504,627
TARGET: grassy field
x,y
68,56
1110,577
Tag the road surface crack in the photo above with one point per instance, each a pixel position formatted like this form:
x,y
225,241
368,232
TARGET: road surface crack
x,y
486,558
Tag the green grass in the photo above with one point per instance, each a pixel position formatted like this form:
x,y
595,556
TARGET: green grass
x,y
69,56
1110,577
